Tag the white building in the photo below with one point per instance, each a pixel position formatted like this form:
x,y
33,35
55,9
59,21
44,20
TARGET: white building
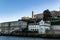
x,y
41,27
56,29
56,26
8,27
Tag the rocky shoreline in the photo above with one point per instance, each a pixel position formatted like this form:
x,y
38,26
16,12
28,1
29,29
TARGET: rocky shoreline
x,y
34,35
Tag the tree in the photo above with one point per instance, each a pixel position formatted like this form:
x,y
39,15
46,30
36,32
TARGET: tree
x,y
47,15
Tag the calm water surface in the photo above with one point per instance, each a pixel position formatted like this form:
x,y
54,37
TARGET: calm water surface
x,y
22,38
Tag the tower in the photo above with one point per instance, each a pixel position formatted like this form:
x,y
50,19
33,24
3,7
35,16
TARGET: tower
x,y
32,14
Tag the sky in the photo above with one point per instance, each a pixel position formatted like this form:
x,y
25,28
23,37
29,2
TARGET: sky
x,y
12,10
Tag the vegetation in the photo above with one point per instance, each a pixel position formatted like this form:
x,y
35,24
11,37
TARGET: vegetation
x,y
55,23
53,19
32,20
47,15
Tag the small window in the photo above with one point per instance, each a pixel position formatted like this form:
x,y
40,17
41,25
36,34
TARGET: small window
x,y
31,29
35,29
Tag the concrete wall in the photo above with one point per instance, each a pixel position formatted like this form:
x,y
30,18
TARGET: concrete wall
x,y
57,31
43,29
40,28
11,26
33,27
55,27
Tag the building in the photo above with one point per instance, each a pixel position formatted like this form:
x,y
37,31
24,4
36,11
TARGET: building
x,y
55,14
8,27
25,18
39,16
55,25
41,27
32,14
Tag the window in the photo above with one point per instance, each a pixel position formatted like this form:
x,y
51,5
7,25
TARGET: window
x,y
31,29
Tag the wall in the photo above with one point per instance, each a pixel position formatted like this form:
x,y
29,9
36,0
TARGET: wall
x,y
55,27
7,27
33,27
40,28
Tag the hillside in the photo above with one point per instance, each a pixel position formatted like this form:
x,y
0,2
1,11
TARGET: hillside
x,y
55,14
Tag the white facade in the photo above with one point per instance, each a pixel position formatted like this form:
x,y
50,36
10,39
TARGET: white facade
x,y
33,27
8,27
56,29
41,28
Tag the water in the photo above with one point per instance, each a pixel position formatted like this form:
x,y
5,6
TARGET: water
x,y
22,38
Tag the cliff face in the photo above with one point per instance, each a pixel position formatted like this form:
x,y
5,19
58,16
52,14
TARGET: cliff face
x,y
40,16
55,14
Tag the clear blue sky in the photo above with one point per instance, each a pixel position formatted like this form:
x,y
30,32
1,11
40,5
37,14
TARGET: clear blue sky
x,y
11,10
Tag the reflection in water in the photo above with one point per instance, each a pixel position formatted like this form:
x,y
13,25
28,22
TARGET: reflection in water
x,y
22,38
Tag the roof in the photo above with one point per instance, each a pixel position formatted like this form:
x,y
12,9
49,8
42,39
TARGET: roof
x,y
33,24
14,21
